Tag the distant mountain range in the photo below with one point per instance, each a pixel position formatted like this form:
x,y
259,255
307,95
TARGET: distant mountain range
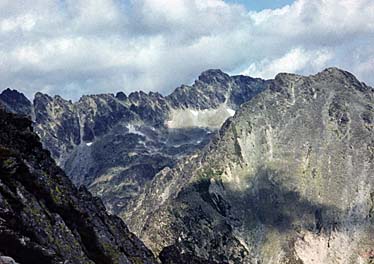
x,y
115,144
229,170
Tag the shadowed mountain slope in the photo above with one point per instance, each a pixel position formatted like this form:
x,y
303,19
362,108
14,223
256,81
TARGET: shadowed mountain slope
x,y
288,179
115,144
44,218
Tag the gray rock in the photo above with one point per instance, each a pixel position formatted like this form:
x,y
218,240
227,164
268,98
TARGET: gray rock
x,y
7,260
288,179
115,145
15,102
44,218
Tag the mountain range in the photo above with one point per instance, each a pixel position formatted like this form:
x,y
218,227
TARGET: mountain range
x,y
231,169
115,144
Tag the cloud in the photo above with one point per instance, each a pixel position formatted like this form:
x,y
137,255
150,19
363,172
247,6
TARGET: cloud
x,y
80,47
295,60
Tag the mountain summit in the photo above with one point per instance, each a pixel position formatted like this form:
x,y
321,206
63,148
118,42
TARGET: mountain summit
x,y
231,169
288,179
115,144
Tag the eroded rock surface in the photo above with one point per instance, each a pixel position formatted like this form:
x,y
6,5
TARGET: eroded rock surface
x,y
44,218
15,102
115,144
289,179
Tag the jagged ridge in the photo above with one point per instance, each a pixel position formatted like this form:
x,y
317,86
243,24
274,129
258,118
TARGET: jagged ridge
x,y
115,144
289,179
44,218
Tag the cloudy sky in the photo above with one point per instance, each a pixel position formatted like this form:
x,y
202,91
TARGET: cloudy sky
x,y
75,47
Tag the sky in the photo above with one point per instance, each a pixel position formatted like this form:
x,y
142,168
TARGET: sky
x,y
261,4
76,47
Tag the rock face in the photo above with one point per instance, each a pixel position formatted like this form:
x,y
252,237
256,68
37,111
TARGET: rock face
x,y
15,102
288,179
44,218
115,144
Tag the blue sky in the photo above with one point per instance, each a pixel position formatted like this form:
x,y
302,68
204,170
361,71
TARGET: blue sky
x,y
75,47
262,4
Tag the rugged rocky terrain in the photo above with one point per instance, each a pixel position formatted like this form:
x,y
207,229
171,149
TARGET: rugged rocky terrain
x,y
44,218
15,102
115,144
288,179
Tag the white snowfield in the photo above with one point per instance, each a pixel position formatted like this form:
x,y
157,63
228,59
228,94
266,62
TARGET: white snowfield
x,y
132,130
209,118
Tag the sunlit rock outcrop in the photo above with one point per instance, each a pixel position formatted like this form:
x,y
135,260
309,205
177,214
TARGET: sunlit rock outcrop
x,y
289,179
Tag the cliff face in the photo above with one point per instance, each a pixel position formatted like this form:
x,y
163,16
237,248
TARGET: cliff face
x,y
289,179
15,102
44,218
115,144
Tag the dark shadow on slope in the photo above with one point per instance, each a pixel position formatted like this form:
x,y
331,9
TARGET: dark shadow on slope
x,y
43,218
271,203
118,165
210,213
173,255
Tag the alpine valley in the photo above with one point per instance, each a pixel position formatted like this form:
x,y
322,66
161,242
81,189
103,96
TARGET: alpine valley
x,y
231,169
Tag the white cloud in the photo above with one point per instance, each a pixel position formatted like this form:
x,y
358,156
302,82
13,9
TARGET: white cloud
x,y
25,23
295,60
73,47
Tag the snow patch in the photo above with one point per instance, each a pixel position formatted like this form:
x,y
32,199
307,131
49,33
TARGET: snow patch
x,y
209,118
89,144
194,112
231,111
133,130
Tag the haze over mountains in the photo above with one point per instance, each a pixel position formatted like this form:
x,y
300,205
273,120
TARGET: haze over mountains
x,y
229,170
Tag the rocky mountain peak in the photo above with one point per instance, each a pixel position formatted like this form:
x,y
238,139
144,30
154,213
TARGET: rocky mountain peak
x,y
287,180
42,96
121,96
347,78
214,76
104,140
12,94
16,102
210,90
